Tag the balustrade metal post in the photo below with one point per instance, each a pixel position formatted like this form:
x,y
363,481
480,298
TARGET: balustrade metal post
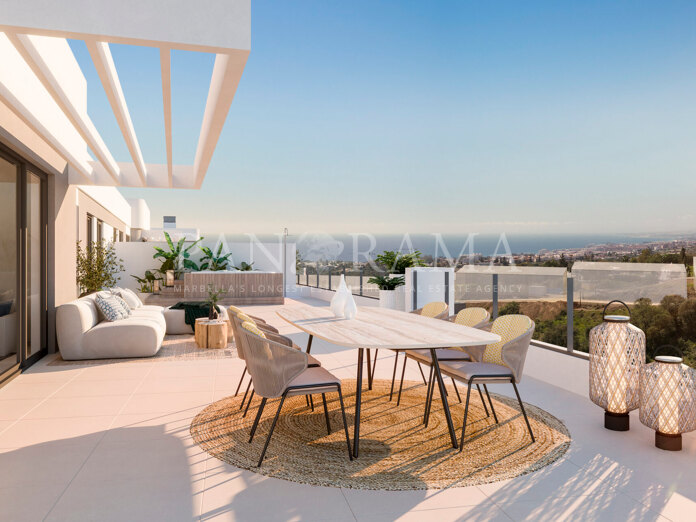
x,y
306,273
495,296
570,318
317,276
362,270
329,278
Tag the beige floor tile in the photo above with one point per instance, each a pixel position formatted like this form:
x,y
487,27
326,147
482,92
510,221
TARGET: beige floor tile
x,y
167,402
483,512
101,388
78,407
27,432
115,371
21,389
195,383
231,494
26,503
145,499
17,408
143,426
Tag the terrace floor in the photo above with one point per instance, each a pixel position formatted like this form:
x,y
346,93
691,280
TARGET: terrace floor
x,y
112,442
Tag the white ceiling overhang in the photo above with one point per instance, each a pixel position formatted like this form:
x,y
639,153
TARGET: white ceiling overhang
x,y
39,84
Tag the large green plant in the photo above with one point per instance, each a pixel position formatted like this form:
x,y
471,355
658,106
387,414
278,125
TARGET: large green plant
x,y
397,263
146,283
97,267
214,261
386,282
177,258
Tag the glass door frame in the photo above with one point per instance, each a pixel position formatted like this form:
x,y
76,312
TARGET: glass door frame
x,y
23,358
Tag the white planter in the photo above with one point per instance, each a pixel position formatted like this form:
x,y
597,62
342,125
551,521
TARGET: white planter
x,y
388,299
143,296
400,297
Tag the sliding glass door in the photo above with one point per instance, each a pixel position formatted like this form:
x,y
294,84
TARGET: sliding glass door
x,y
23,228
9,263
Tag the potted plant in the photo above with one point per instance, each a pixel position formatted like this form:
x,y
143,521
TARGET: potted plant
x,y
97,267
146,284
177,258
212,301
387,285
395,265
214,261
245,267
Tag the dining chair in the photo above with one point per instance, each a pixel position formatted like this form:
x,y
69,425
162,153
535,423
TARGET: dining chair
x,y
236,320
435,310
473,317
501,362
279,371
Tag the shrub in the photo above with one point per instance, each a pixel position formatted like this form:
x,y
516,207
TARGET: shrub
x,y
510,308
97,267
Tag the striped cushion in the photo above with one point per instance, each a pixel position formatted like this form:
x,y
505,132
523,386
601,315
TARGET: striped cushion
x,y
110,308
235,310
508,327
251,327
245,318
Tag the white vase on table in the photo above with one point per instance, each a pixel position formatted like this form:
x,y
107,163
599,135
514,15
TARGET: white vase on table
x,y
338,302
350,309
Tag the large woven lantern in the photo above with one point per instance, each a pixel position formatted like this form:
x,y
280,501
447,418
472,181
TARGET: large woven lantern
x,y
668,400
617,352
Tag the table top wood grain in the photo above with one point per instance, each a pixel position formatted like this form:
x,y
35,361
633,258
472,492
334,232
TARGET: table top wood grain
x,y
383,328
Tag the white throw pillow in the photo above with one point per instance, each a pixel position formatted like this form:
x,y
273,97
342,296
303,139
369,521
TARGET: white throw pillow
x,y
130,297
110,307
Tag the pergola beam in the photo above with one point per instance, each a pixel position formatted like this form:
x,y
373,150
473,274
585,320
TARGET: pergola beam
x,y
166,67
104,63
81,122
227,72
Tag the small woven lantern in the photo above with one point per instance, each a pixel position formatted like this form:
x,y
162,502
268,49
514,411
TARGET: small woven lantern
x,y
617,352
668,400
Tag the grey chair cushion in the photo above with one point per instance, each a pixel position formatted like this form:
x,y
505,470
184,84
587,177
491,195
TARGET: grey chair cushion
x,y
316,377
443,354
465,370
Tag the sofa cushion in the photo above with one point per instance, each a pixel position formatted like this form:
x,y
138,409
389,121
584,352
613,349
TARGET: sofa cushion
x,y
123,303
129,296
110,308
153,315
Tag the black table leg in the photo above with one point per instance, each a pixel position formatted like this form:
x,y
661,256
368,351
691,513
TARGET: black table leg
x,y
369,370
443,396
358,399
309,343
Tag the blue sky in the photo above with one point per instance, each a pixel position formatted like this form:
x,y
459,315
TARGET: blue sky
x,y
451,117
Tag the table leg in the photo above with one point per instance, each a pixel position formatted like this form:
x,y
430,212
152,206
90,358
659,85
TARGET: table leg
x,y
358,399
369,370
443,396
309,343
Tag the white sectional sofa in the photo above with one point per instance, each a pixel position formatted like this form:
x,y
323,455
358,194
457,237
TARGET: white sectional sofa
x,y
84,334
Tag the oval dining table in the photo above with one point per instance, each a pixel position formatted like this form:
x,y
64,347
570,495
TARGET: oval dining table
x,y
382,328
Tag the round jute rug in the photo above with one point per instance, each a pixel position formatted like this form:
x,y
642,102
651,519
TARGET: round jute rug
x,y
397,452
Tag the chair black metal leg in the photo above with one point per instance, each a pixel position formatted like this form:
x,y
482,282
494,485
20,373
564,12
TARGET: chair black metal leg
x,y
307,399
485,406
309,343
311,402
443,398
466,414
426,413
245,395
270,433
495,417
248,404
326,414
358,401
529,427
401,385
369,370
396,363
257,419
241,379
422,374
345,423
459,397
374,364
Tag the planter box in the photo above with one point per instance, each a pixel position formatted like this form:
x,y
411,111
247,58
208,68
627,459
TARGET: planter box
x,y
388,299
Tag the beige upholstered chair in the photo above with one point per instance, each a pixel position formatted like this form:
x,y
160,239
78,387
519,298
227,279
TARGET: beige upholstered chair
x,y
236,320
501,362
473,317
435,310
279,371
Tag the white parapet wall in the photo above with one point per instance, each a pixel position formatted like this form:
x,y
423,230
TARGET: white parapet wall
x,y
266,257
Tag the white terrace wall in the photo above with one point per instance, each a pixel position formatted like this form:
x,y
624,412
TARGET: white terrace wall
x,y
267,257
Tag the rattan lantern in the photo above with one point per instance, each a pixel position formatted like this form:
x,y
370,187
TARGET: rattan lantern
x,y
617,352
668,400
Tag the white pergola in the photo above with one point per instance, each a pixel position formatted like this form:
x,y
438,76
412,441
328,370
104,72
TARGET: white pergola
x,y
33,59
